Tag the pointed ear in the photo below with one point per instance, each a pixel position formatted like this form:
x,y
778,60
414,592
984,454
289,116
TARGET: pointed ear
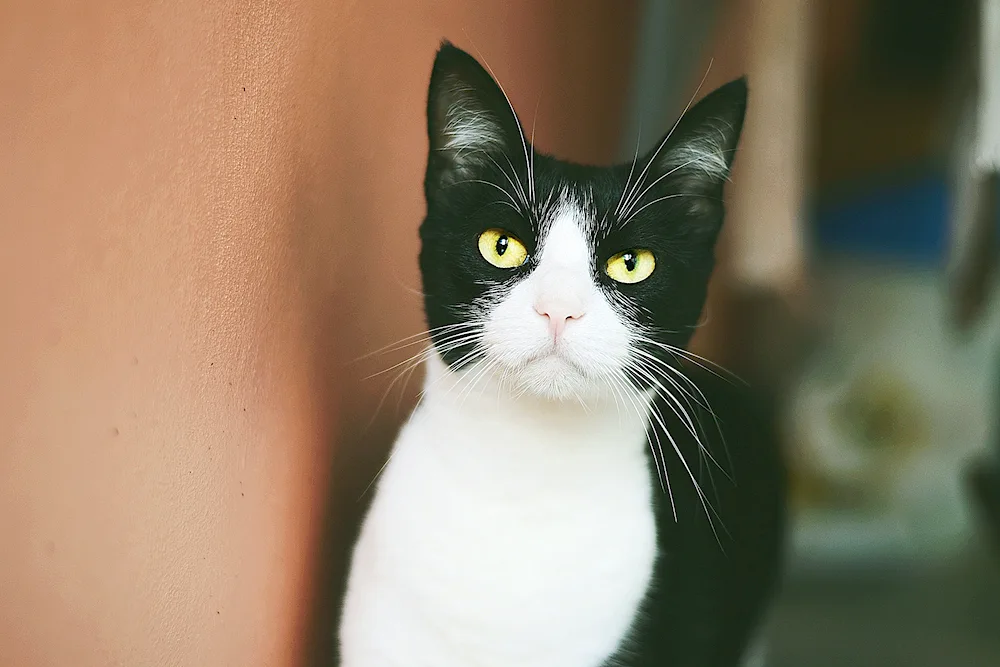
x,y
697,154
469,119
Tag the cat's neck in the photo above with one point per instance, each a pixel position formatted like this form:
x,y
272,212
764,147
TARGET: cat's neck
x,y
489,432
474,392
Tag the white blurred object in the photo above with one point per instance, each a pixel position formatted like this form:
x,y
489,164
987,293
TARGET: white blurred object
x,y
988,149
976,173
885,419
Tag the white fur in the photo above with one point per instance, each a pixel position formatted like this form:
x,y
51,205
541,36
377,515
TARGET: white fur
x,y
513,523
705,153
470,128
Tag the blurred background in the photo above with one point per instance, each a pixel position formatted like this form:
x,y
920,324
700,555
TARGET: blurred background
x,y
208,217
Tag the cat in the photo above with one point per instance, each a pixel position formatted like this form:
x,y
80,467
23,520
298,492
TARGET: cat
x,y
562,495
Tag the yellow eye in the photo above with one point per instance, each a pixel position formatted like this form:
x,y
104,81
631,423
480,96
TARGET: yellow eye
x,y
631,266
501,249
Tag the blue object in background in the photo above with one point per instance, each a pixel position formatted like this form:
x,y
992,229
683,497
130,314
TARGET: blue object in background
x,y
905,220
902,220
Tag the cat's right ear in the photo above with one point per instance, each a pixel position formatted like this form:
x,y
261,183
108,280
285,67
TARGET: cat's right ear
x,y
469,120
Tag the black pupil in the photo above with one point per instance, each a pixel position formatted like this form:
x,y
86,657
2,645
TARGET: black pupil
x,y
629,258
502,244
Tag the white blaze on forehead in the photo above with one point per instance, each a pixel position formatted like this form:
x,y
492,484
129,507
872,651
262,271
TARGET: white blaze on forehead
x,y
563,285
565,245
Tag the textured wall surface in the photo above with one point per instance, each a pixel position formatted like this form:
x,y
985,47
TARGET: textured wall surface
x,y
159,426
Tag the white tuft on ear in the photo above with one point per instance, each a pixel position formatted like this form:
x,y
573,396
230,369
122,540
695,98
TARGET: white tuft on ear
x,y
470,123
468,126
708,151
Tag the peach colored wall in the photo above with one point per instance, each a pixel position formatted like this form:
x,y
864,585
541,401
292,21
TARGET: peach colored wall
x,y
159,422
206,209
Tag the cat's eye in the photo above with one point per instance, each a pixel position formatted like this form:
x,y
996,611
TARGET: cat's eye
x,y
631,266
502,249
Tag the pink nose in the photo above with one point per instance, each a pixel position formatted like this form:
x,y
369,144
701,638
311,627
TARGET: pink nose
x,y
558,314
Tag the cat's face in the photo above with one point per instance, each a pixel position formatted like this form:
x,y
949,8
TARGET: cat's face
x,y
560,280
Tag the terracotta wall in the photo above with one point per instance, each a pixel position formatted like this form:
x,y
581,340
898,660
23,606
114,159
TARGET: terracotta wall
x,y
206,210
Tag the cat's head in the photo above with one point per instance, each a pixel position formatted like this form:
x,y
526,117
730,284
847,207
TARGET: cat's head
x,y
557,279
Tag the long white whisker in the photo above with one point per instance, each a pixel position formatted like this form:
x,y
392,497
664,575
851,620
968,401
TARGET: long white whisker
x,y
700,399
678,409
375,478
415,339
659,458
452,341
636,200
531,165
695,359
706,505
514,181
524,144
665,366
491,184
625,221
518,185
642,175
628,180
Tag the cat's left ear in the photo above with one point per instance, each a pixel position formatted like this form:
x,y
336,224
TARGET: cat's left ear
x,y
697,155
470,123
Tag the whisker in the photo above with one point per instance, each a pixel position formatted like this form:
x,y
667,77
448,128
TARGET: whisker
x,y
678,409
519,187
700,158
700,361
415,339
659,457
632,215
504,92
512,178
628,180
642,175
491,184
701,399
375,478
446,344
531,166
705,503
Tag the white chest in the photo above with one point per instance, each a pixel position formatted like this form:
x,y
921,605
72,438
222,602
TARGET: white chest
x,y
502,541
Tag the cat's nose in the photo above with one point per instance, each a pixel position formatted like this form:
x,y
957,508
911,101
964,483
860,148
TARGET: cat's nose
x,y
558,312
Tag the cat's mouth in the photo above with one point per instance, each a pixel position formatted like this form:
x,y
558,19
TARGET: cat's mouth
x,y
555,359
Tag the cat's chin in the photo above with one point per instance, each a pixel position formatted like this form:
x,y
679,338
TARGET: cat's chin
x,y
556,377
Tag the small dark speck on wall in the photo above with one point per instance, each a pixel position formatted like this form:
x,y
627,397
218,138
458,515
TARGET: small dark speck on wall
x,y
135,361
114,431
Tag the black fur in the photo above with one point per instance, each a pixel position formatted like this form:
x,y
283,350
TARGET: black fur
x,y
710,586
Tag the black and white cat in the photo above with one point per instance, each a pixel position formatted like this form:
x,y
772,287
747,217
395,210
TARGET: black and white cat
x,y
561,497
